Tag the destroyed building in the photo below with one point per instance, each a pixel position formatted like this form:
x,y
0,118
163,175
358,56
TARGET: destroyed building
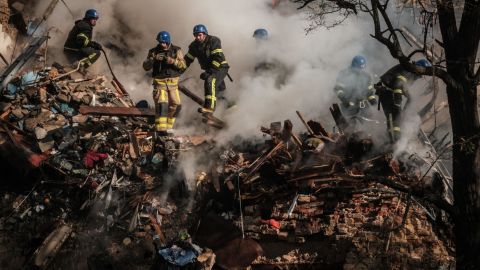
x,y
88,184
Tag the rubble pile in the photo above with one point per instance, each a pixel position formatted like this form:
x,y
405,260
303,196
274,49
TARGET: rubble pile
x,y
108,192
311,190
109,169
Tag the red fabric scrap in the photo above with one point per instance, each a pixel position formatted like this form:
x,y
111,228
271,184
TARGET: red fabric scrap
x,y
93,156
272,222
275,224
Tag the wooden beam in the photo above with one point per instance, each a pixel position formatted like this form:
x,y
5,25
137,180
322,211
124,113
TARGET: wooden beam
x,y
117,111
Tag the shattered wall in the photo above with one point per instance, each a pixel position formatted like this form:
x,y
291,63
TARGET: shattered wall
x,y
361,233
5,30
4,11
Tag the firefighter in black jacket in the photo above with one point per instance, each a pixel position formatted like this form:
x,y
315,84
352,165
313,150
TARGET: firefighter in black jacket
x,y
392,87
79,45
208,50
167,64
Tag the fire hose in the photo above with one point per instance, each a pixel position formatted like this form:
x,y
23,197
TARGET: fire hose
x,y
120,86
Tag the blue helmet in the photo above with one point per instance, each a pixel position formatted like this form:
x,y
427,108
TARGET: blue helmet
x,y
260,33
423,63
164,36
91,14
359,62
200,28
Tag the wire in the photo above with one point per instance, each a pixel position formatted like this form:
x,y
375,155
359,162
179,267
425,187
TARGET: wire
x,y
21,203
240,203
68,8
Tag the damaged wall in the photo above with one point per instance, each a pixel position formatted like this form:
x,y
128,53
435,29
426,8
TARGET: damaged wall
x,y
5,39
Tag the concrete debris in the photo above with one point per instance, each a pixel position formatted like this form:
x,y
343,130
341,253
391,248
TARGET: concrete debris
x,y
51,246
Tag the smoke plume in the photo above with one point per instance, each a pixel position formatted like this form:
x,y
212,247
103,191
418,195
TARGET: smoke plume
x,y
129,28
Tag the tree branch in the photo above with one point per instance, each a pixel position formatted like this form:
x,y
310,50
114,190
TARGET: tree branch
x,y
425,34
304,3
393,47
364,8
377,11
415,52
396,50
343,4
389,24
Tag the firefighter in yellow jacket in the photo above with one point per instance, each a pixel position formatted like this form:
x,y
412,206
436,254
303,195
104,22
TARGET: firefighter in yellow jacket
x,y
167,64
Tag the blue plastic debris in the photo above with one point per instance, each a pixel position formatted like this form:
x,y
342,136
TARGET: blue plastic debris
x,y
65,108
178,256
12,89
35,28
25,80
30,77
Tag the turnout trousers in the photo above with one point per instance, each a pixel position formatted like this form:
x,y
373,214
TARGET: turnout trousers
x,y
214,86
167,102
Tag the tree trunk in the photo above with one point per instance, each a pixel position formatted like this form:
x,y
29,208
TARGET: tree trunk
x,y
466,170
466,195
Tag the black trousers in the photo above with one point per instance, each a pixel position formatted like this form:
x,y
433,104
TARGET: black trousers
x,y
87,55
214,86
392,108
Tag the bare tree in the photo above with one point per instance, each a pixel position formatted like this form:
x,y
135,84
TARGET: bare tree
x,y
460,71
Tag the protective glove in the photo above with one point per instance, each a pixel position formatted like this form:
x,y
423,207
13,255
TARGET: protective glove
x,y
205,111
169,60
160,57
96,45
204,75
348,104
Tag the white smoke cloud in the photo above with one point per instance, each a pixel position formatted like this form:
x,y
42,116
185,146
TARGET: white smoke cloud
x,y
314,59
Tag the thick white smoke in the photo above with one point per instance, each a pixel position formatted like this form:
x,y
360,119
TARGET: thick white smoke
x,y
314,59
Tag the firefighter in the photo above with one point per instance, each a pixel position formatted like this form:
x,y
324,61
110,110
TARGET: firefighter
x,y
167,64
354,88
208,50
267,66
392,87
79,45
